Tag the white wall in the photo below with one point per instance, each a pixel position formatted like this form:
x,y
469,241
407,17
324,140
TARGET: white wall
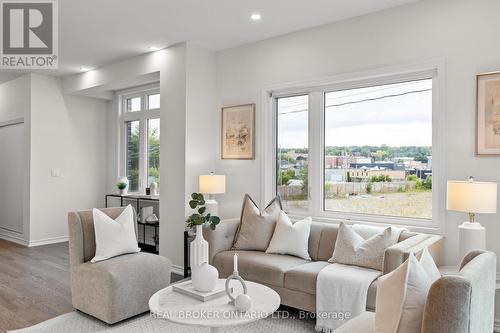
x,y
68,135
187,89
200,105
459,31
14,160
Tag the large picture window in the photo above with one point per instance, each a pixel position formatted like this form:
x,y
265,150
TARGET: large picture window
x,y
378,150
140,117
360,150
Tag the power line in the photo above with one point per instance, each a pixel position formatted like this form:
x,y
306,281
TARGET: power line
x,y
362,101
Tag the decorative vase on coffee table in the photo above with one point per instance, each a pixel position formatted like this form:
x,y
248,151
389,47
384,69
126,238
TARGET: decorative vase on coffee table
x,y
203,276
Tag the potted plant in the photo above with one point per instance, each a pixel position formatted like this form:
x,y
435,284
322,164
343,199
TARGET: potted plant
x,y
204,276
197,202
122,187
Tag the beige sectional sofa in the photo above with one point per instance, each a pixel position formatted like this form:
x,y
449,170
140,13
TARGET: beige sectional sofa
x,y
293,278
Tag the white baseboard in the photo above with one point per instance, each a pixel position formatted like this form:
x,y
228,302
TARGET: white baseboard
x,y
47,241
13,238
179,270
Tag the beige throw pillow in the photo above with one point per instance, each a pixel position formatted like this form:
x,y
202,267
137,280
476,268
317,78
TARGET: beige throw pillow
x,y
291,238
256,228
401,295
352,249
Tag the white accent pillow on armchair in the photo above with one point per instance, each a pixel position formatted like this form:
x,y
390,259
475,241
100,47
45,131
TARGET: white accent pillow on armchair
x,y
114,237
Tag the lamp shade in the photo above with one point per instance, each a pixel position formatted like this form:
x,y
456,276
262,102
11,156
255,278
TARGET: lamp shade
x,y
471,197
212,184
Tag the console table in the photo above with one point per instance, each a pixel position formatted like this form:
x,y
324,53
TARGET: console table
x,y
137,200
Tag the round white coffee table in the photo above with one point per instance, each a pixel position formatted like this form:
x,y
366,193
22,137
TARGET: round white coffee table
x,y
214,314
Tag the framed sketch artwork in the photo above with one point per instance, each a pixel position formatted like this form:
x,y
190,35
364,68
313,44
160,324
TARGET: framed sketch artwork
x,y
488,114
238,132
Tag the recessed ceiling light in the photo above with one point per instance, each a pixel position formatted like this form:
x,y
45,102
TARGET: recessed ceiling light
x,y
153,48
255,16
84,69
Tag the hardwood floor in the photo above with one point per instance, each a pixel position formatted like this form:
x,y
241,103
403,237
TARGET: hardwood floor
x,y
34,284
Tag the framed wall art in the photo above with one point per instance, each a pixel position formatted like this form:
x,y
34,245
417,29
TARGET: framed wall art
x,y
238,132
488,114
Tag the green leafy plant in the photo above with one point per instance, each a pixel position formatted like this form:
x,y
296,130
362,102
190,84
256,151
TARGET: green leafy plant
x,y
199,218
121,185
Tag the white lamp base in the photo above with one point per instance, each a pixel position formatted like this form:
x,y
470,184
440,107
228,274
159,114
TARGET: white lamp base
x,y
472,236
212,207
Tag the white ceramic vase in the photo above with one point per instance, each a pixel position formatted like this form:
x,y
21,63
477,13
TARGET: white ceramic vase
x,y
203,276
198,249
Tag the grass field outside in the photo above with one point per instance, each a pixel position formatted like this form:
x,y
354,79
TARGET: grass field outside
x,y
415,204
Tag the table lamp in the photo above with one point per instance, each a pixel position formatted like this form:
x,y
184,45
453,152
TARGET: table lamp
x,y
471,197
212,184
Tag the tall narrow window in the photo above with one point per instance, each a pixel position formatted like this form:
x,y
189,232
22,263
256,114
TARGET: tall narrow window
x,y
132,130
140,118
378,150
293,152
154,151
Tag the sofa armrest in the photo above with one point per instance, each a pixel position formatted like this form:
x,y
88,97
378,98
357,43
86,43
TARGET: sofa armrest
x,y
397,254
222,238
447,308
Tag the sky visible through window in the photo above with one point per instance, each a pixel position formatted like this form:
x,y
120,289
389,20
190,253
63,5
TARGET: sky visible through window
x,y
367,116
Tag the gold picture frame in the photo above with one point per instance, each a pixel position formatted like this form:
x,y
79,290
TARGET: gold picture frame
x,y
238,132
488,114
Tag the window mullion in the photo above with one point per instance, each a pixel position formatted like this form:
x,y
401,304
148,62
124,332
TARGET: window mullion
x,y
315,151
143,154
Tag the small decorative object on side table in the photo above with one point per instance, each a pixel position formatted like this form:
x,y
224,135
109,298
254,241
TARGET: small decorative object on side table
x,y
471,197
122,185
203,275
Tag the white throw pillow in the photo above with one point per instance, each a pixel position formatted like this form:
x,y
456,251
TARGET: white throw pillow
x,y
114,237
401,295
291,238
352,249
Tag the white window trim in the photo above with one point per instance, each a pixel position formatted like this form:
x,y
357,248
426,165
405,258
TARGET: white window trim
x,y
142,116
267,140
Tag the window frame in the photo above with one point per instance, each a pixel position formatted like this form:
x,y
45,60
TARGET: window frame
x,y
142,116
316,88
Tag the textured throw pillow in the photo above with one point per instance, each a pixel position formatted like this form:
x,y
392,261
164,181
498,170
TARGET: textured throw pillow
x,y
256,228
291,238
114,237
401,295
352,249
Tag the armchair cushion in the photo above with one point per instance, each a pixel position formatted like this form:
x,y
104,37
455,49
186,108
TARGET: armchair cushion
x,y
120,287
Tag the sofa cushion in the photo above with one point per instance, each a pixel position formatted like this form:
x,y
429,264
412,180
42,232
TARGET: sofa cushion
x,y
364,323
303,278
258,266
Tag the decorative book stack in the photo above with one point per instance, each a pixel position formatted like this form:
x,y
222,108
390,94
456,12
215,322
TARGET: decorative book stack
x,y
187,288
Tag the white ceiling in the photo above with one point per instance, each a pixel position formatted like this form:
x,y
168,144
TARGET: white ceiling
x,y
94,33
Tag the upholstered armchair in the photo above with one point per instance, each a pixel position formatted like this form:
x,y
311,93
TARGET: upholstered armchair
x,y
461,303
114,289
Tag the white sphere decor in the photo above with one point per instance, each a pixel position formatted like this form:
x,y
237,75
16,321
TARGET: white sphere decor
x,y
204,277
243,302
